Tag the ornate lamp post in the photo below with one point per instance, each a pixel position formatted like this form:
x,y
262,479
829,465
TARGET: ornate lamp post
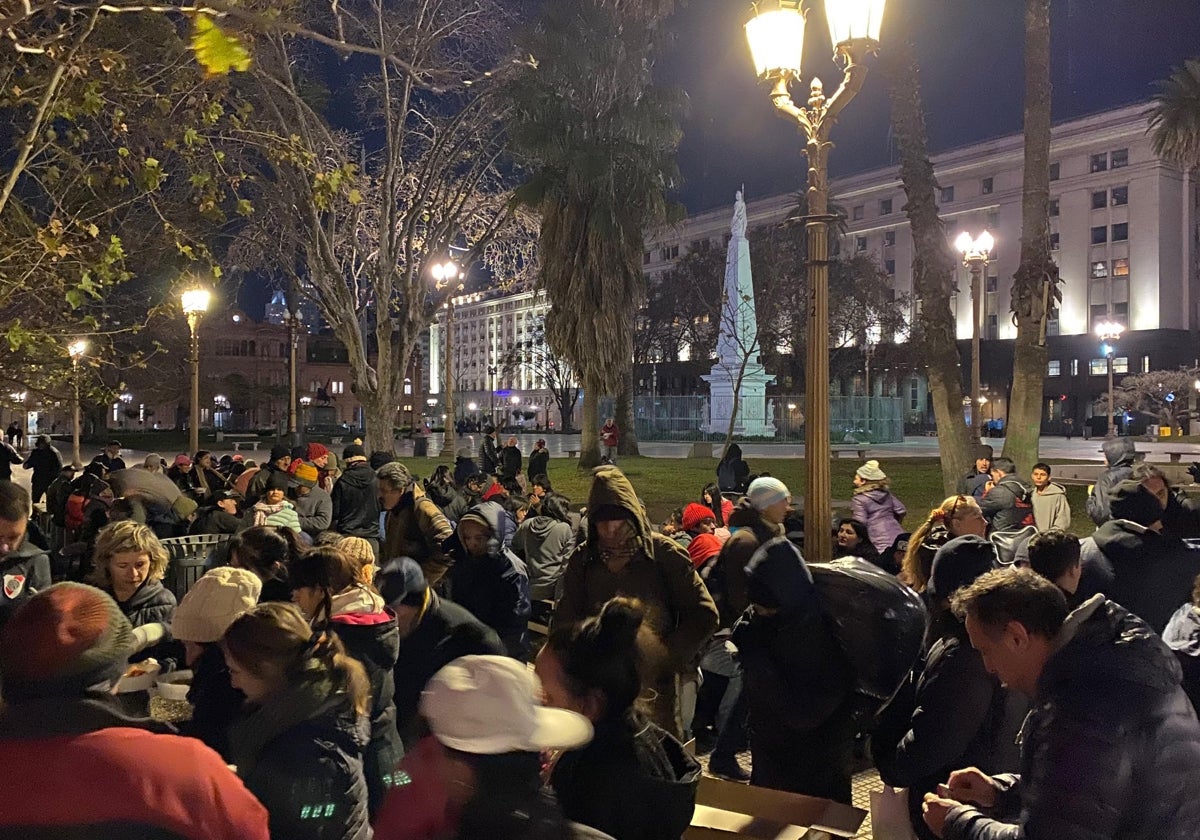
x,y
776,38
293,321
976,253
1110,333
76,349
447,273
195,304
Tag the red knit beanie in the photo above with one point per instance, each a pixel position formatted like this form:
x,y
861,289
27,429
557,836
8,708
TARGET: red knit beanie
x,y
694,514
315,451
65,638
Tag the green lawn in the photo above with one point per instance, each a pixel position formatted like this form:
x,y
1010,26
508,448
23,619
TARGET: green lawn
x,y
664,484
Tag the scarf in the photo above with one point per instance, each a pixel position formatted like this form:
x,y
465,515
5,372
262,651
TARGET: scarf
x,y
309,697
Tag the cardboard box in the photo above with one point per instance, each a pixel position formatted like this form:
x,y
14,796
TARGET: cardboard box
x,y
726,810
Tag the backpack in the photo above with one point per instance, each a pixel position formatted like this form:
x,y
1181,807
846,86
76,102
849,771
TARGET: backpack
x,y
1024,503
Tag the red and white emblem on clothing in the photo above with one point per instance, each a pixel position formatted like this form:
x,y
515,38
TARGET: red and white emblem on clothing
x,y
13,585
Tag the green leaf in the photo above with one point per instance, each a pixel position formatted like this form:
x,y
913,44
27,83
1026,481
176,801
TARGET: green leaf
x,y
244,207
216,51
355,197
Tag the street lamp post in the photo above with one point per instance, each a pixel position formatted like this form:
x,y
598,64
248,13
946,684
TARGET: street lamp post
x,y
492,371
195,304
446,273
976,253
776,39
291,319
1110,333
76,349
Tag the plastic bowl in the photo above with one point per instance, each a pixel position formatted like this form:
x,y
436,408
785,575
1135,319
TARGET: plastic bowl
x,y
143,681
175,685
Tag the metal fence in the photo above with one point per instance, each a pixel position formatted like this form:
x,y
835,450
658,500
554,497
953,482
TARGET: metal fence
x,y
851,419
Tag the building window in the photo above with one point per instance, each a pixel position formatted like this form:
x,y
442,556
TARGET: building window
x,y
669,253
1054,242
860,244
1120,196
1074,367
889,238
1099,200
1120,267
1099,367
1053,367
1121,364
889,266
993,220
991,283
986,186
1053,207
1099,235
1099,312
992,327
1054,171
913,392
1099,270
1099,163
645,258
885,207
1121,312
1120,232
947,195
1120,158
857,212
1145,364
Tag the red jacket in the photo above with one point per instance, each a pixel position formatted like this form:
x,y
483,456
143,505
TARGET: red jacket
x,y
149,785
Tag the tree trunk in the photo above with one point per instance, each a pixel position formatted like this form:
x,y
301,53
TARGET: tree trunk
x,y
589,434
628,442
380,416
1035,285
933,270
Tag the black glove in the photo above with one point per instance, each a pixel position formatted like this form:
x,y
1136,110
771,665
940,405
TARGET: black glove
x,y
1194,472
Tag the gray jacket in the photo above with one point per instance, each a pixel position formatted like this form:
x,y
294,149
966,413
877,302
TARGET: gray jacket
x,y
315,511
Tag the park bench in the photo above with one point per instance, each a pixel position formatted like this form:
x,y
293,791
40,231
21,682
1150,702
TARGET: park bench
x,y
860,450
572,453
239,439
1176,457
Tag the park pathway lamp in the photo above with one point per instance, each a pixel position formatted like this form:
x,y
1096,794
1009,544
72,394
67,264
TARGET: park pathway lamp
x,y
1110,333
447,274
293,321
76,349
195,304
975,254
776,36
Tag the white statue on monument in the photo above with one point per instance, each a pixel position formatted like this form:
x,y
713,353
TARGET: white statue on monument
x,y
737,345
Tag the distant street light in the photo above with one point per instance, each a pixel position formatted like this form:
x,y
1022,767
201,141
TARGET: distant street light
x,y
195,304
75,350
976,253
1110,333
446,273
776,36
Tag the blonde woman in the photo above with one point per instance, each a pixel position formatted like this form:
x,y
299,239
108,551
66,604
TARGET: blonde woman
x,y
129,564
954,517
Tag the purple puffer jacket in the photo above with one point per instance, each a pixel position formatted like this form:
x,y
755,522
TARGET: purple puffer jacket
x,y
881,512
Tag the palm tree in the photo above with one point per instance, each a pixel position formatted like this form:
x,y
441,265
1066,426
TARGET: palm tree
x,y
1035,292
933,269
599,139
1175,116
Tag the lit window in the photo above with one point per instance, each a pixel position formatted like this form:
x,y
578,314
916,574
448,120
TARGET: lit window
x,y
1120,157
1053,367
1099,269
1145,364
1120,267
1121,364
1098,367
1074,367
1099,163
1120,196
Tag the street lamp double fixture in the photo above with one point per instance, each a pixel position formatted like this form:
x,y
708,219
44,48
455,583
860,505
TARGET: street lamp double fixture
x,y
446,273
1110,333
776,36
195,303
976,251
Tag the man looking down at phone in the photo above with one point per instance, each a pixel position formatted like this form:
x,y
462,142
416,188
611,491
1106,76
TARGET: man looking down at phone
x,y
1112,746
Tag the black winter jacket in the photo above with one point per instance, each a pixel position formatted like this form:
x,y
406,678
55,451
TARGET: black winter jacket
x,y
444,632
376,644
633,781
464,468
495,589
1119,452
217,521
539,463
489,455
356,502
999,504
1111,748
215,702
300,754
510,462
1148,572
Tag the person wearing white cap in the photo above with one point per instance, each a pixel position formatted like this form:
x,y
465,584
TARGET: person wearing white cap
x,y
479,773
201,619
875,506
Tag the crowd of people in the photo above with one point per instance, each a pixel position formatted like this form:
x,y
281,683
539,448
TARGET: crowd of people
x,y
372,654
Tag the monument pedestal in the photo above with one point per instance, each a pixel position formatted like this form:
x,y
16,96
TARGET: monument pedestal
x,y
755,414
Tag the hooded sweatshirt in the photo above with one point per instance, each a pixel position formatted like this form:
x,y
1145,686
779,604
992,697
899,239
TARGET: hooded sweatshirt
x,y
1051,508
678,607
1119,452
544,543
356,502
368,630
22,574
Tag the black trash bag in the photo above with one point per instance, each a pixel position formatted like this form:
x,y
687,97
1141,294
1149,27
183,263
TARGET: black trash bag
x,y
878,621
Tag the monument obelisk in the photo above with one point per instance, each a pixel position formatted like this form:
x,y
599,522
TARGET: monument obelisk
x,y
737,345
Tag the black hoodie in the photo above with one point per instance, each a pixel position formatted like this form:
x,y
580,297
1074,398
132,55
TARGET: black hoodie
x,y
23,573
356,502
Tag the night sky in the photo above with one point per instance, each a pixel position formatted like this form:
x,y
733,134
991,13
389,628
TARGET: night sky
x,y
1105,53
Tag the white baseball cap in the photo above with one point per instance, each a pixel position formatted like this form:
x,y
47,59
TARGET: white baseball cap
x,y
488,705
